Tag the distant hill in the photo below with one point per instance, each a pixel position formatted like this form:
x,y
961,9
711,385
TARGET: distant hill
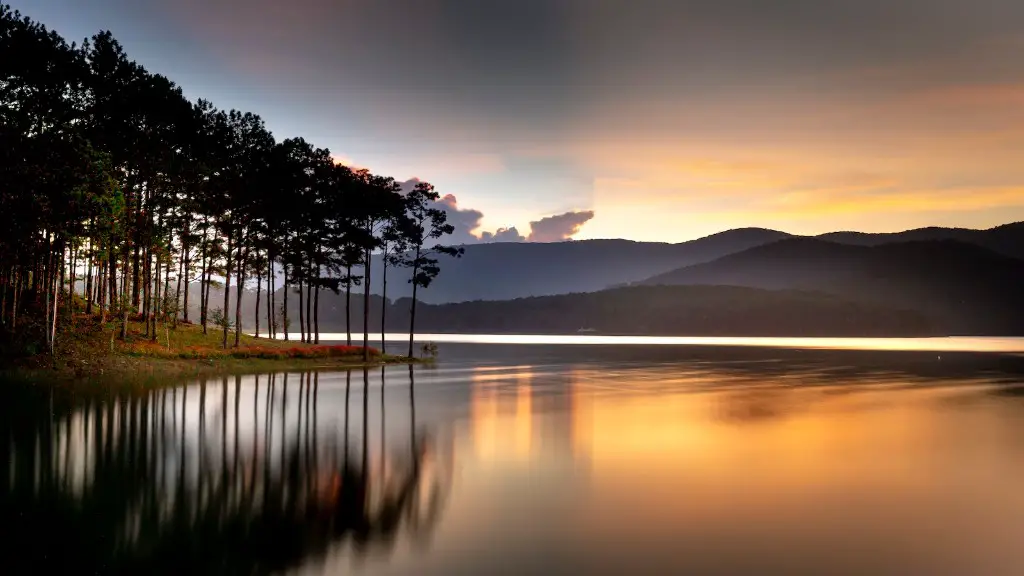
x,y
963,288
660,310
505,271
1007,239
653,310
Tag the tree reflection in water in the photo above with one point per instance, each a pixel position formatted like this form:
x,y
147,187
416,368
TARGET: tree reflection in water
x,y
157,481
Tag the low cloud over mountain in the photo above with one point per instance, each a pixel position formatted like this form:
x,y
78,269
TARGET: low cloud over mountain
x,y
467,224
560,227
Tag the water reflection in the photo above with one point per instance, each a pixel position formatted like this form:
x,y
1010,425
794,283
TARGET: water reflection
x,y
236,474
533,462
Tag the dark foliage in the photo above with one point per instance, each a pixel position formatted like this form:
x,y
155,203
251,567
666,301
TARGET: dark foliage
x,y
115,186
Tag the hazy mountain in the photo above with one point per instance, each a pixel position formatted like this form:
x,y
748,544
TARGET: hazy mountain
x,y
505,271
502,271
963,288
1007,239
664,310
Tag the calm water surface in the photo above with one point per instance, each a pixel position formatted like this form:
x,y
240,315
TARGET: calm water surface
x,y
510,459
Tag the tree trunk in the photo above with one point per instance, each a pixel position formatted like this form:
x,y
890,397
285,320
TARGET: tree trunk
x,y
16,297
383,303
71,284
46,303
366,308
204,285
125,308
186,281
244,254
316,310
271,298
56,299
259,287
177,291
206,302
309,316
62,276
155,298
412,309
112,278
102,291
5,280
227,290
88,278
135,277
348,305
284,307
147,288
302,317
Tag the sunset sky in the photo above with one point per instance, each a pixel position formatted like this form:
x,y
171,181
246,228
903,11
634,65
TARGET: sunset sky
x,y
668,120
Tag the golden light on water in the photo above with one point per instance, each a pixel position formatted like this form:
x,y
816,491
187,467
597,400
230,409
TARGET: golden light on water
x,y
943,344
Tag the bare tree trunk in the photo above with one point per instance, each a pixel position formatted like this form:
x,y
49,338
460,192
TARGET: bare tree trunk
x,y
135,276
302,317
284,308
271,321
316,310
204,285
102,288
71,284
88,278
47,282
383,303
56,299
71,280
177,290
167,282
17,293
259,286
309,317
146,288
244,257
412,309
124,295
112,278
206,302
158,291
366,308
348,305
5,280
227,290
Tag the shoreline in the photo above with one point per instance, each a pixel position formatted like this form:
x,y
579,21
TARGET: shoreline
x,y
132,370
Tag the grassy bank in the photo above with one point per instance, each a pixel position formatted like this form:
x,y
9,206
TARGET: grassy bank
x,y
88,349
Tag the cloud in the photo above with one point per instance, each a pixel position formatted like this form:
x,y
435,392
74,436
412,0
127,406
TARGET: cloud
x,y
560,227
467,223
503,235
465,220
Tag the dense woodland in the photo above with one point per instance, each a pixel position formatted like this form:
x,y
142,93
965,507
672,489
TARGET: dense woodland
x,y
118,193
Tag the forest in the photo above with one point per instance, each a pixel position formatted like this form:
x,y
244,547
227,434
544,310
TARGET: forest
x,y
118,193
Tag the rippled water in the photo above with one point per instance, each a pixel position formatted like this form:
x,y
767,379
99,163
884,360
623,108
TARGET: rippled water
x,y
513,460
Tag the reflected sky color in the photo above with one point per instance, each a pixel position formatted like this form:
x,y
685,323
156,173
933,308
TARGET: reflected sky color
x,y
556,464
942,344
671,120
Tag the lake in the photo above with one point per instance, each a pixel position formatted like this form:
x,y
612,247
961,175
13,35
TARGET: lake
x,y
518,459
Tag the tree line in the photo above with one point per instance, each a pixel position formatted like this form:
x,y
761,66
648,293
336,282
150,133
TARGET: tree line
x,y
117,190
